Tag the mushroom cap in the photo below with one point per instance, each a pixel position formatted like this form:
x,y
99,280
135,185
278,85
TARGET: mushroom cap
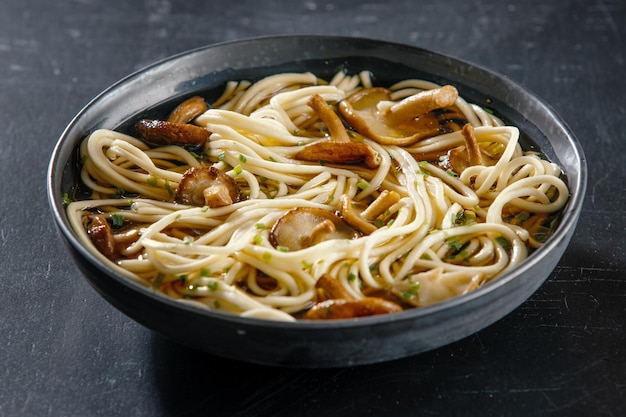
x,y
367,111
161,132
339,153
188,110
348,309
191,189
303,227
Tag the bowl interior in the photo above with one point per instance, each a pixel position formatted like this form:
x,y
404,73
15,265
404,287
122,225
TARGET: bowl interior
x,y
151,93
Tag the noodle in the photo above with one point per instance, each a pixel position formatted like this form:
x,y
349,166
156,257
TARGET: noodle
x,y
444,233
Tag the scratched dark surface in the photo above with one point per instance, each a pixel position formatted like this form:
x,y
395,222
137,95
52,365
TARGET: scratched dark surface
x,y
65,352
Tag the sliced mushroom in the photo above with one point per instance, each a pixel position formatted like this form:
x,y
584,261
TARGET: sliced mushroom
x,y
109,242
340,149
353,218
304,227
328,288
469,154
101,235
347,309
473,150
207,185
160,133
421,103
385,200
373,114
188,110
339,153
335,127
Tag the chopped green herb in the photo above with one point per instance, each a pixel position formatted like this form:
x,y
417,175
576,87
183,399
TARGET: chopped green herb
x,y
183,278
260,226
411,292
152,181
451,173
242,158
66,199
221,156
217,304
351,277
257,239
238,170
282,248
205,272
362,184
267,256
454,244
117,220
168,187
158,280
306,265
213,285
272,159
502,241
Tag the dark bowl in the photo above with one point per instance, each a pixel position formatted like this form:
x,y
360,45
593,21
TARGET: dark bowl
x,y
327,343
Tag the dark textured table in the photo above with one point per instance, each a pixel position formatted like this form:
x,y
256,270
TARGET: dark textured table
x,y
65,352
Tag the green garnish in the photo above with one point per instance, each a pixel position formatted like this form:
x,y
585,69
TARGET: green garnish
x,y
158,280
454,244
411,292
168,187
362,184
502,241
117,220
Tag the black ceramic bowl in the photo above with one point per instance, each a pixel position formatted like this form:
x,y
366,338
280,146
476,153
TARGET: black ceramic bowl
x,y
327,343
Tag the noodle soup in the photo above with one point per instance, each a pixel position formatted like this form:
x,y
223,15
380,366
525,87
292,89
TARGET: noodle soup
x,y
295,197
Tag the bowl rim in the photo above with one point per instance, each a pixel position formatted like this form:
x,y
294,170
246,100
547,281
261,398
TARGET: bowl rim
x,y
570,213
